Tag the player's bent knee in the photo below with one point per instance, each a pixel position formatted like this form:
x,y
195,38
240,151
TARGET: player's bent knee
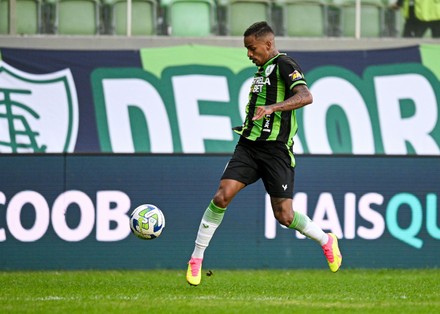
x,y
283,217
285,220
221,200
226,192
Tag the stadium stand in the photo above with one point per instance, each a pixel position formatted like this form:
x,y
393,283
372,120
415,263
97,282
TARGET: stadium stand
x,y
242,13
304,18
202,18
394,20
143,18
372,17
195,18
28,17
77,17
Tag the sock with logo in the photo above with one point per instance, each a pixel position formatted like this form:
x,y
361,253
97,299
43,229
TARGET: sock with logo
x,y
307,227
211,219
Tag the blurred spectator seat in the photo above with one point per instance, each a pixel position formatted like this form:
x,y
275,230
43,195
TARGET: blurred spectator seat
x,y
143,17
27,20
240,14
372,17
191,18
304,18
77,17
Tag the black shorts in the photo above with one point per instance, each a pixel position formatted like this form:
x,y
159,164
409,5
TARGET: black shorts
x,y
269,160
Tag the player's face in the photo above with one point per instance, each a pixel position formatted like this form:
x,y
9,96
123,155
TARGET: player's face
x,y
258,49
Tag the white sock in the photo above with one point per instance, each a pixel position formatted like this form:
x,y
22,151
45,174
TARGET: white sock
x,y
211,219
310,229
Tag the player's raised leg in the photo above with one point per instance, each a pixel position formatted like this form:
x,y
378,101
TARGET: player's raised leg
x,y
328,241
211,219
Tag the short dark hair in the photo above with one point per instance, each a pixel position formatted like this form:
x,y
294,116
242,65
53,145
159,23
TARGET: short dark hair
x,y
258,29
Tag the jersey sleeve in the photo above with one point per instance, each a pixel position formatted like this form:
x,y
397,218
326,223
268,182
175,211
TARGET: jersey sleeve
x,y
291,73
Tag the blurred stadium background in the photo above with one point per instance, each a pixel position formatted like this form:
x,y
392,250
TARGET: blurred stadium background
x,y
366,172
290,18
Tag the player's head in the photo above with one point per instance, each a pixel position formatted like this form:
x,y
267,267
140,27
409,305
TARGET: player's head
x,y
259,40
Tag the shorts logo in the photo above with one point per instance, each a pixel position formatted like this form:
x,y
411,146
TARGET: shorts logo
x,y
38,112
284,186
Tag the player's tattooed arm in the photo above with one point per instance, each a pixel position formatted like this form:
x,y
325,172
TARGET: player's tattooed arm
x,y
300,98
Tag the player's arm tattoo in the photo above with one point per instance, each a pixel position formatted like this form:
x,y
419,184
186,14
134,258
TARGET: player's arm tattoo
x,y
300,98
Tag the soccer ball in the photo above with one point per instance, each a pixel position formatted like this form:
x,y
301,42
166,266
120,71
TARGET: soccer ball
x,y
147,221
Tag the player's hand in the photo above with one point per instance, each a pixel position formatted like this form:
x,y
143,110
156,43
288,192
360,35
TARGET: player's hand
x,y
262,111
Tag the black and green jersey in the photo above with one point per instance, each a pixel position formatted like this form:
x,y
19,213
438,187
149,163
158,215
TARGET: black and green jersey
x,y
272,83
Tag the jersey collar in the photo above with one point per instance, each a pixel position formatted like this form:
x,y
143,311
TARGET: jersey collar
x,y
270,61
268,67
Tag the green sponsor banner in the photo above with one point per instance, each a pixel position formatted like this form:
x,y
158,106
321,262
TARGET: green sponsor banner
x,y
373,113
430,58
165,57
186,99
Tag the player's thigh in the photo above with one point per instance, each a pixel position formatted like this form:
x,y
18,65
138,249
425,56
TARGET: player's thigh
x,y
227,190
242,167
279,176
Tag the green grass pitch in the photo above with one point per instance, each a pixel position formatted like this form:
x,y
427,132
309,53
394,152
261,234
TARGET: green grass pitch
x,y
225,291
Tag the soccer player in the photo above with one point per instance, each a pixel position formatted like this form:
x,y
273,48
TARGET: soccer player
x,y
264,149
